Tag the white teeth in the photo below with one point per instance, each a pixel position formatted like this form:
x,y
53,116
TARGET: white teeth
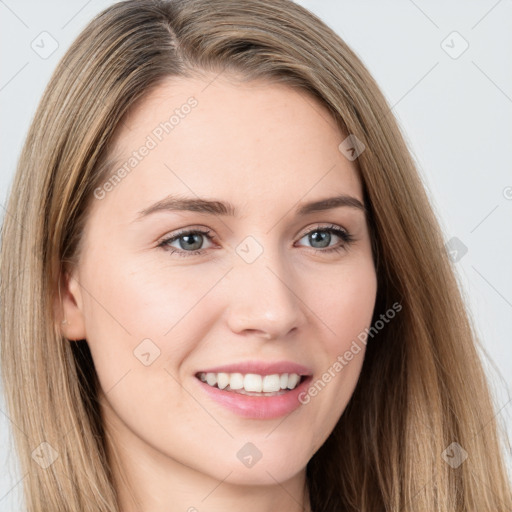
x,y
271,383
252,382
222,380
236,380
293,379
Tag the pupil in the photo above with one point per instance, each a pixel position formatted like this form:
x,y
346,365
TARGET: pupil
x,y
190,239
325,236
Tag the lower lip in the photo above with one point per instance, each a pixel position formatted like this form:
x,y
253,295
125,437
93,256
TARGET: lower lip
x,y
258,407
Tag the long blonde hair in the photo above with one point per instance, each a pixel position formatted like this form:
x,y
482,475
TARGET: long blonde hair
x,y
422,386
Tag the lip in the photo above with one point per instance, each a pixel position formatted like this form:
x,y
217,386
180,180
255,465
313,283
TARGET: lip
x,y
258,407
261,368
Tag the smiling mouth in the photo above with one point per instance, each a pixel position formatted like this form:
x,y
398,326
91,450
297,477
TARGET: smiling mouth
x,y
252,384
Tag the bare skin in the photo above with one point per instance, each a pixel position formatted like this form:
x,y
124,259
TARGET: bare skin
x,y
267,149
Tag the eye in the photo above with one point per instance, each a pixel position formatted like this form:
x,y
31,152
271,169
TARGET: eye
x,y
190,241
321,237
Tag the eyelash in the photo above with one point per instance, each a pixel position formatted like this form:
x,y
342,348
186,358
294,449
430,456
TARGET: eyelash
x,y
346,237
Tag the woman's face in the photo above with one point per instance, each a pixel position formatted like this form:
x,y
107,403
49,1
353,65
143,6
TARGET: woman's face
x,y
271,288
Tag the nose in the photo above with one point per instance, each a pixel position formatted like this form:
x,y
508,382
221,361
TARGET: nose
x,y
263,298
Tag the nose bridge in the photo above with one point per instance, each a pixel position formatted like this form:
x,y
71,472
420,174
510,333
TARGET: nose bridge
x,y
261,292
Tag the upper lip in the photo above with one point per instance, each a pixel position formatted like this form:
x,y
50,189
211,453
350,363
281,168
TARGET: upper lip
x,y
261,368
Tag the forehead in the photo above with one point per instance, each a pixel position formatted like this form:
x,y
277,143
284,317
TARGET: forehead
x,y
245,142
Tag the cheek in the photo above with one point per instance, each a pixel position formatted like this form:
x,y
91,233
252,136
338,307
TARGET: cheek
x,y
142,321
164,294
345,308
345,304
129,303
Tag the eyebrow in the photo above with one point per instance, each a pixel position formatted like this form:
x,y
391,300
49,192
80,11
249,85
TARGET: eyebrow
x,y
215,207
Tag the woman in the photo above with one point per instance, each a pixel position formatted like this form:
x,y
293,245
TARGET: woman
x,y
235,292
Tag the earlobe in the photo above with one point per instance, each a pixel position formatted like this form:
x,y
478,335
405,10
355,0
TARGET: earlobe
x,y
68,308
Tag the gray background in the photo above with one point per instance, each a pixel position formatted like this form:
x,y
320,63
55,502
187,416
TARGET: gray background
x,y
454,108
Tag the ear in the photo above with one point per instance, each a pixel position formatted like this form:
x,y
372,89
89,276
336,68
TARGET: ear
x,y
69,308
